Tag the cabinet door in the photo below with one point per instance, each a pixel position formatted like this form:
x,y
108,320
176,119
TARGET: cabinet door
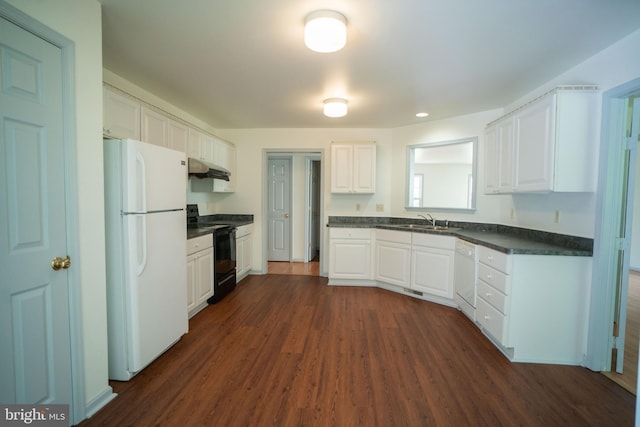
x,y
341,168
393,263
491,160
177,136
207,148
194,143
204,275
364,168
154,128
121,116
243,256
505,147
224,155
534,146
432,271
350,259
191,282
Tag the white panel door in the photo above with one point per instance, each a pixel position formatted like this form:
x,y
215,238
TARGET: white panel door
x,y
35,364
279,208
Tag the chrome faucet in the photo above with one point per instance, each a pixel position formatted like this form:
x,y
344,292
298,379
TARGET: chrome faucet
x,y
433,221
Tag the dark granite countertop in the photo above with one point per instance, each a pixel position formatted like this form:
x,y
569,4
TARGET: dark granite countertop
x,y
205,223
506,239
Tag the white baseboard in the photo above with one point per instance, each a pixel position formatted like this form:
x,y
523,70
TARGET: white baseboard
x,y
98,402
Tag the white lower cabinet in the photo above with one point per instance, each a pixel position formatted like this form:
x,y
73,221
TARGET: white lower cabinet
x,y
393,257
432,259
244,251
200,259
350,254
534,307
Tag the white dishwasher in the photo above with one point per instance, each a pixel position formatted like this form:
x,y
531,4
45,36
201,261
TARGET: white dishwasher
x,y
464,278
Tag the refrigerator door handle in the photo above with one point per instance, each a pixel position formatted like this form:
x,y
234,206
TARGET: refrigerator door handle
x,y
141,193
141,235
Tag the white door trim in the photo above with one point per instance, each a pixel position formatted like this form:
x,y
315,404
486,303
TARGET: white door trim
x,y
266,153
608,208
67,48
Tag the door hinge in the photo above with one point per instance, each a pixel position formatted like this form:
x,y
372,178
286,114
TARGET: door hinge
x,y
620,243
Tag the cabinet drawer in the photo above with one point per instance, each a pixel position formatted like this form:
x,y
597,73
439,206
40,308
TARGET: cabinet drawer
x,y
350,233
495,278
493,296
394,236
492,320
495,259
433,241
199,243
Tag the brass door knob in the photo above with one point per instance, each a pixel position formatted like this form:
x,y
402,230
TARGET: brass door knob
x,y
57,263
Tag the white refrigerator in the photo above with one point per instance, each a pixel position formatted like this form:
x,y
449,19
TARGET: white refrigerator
x,y
146,247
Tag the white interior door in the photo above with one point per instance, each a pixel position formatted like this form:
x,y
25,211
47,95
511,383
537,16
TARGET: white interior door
x,y
35,361
279,177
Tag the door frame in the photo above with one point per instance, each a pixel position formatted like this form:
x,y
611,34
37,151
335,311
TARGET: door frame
x,y
266,153
608,221
67,48
308,220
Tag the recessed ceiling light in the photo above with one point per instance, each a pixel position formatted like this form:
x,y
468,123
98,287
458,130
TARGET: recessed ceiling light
x,y
422,115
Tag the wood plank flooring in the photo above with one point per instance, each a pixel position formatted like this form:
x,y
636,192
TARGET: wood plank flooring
x,y
285,350
311,268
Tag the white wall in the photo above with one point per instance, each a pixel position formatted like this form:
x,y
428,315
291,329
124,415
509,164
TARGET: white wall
x,y
80,21
251,144
471,125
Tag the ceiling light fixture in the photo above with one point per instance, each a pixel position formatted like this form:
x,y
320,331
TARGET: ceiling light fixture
x,y
325,31
335,107
422,115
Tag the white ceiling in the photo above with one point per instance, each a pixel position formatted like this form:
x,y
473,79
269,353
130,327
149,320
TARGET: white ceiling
x,y
243,63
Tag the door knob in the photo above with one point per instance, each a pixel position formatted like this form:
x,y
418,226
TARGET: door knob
x,y
286,215
57,263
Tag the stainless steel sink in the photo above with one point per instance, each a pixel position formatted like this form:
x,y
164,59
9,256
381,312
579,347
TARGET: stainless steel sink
x,y
425,227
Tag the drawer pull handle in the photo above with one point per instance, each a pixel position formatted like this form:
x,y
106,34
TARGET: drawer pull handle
x,y
490,257
486,318
488,294
489,276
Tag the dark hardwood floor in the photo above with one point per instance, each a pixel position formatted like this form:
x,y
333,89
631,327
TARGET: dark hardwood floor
x,y
286,350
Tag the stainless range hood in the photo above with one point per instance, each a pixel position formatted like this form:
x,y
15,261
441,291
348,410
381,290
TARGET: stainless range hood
x,y
202,169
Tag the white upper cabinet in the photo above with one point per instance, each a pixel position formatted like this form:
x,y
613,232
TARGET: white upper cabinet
x,y
353,168
121,115
161,130
178,136
154,127
200,146
548,145
224,155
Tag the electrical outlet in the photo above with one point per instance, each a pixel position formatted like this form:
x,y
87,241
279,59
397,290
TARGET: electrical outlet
x,y
556,216
379,208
